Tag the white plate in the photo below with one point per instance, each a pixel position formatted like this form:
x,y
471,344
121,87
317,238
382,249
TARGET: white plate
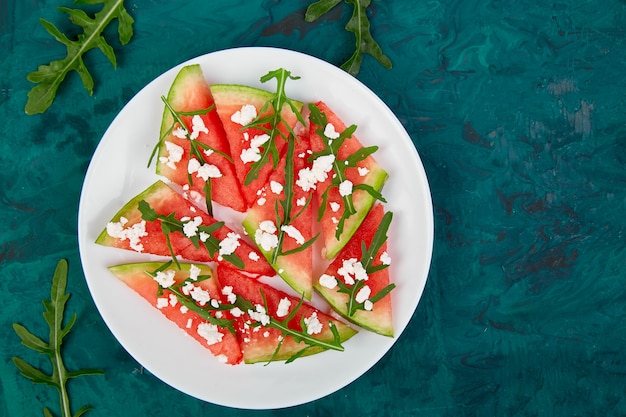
x,y
118,172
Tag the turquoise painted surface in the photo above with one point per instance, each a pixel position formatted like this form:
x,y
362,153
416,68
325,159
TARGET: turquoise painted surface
x,y
517,110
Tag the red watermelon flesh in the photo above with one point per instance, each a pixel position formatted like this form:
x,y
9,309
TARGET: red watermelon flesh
x,y
165,201
296,268
258,344
190,92
230,99
367,172
135,276
379,319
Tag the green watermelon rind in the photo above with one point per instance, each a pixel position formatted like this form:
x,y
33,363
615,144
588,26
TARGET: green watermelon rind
x,y
376,178
361,318
283,267
130,208
188,75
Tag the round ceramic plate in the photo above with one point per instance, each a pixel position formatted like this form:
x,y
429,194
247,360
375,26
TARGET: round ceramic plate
x,y
118,171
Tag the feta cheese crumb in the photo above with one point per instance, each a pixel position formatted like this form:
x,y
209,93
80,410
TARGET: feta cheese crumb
x,y
210,332
162,302
174,154
265,235
335,206
250,155
245,115
351,269
313,324
259,315
385,259
283,307
229,244
183,309
194,272
363,294
345,188
230,295
200,295
368,305
330,132
133,233
197,127
276,187
301,201
190,228
207,171
173,300
293,233
254,256
328,281
261,201
189,323
363,171
309,177
165,278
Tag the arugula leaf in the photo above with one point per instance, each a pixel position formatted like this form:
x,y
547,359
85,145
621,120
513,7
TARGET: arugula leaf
x,y
54,316
358,24
49,77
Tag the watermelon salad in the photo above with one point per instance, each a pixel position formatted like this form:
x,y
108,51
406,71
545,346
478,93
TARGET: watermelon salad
x,y
308,196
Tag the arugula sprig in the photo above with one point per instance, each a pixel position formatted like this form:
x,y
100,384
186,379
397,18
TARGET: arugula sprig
x,y
54,315
207,311
332,147
49,77
204,235
285,205
197,149
358,24
270,122
367,256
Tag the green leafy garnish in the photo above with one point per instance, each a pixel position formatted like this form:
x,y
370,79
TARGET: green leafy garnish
x,y
198,150
274,119
367,256
49,77
331,147
54,317
358,24
286,205
202,235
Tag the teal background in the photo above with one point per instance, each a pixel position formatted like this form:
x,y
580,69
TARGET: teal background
x,y
517,110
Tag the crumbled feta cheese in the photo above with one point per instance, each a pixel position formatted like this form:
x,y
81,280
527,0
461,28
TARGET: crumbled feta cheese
x,y
189,323
229,244
193,165
309,177
266,334
345,188
313,324
250,155
334,220
368,305
165,278
162,302
259,315
174,154
265,235
204,236
245,115
215,303
200,295
197,127
254,256
190,228
385,259
363,294
301,202
194,272
328,281
133,233
363,171
221,358
186,289
236,312
283,307
351,269
210,332
183,309
207,171
173,300
230,295
335,206
259,140
330,132
276,187
293,233
180,132
261,201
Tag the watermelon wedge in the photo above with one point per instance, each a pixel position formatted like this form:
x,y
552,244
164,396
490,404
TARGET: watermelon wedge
x,y
352,268
352,179
288,245
219,340
198,152
260,343
238,106
192,234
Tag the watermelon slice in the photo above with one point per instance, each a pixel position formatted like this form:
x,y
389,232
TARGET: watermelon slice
x,y
295,268
237,106
259,344
127,230
350,175
198,152
347,268
219,340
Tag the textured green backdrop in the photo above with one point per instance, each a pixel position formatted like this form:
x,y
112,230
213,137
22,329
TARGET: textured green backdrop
x,y
517,110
